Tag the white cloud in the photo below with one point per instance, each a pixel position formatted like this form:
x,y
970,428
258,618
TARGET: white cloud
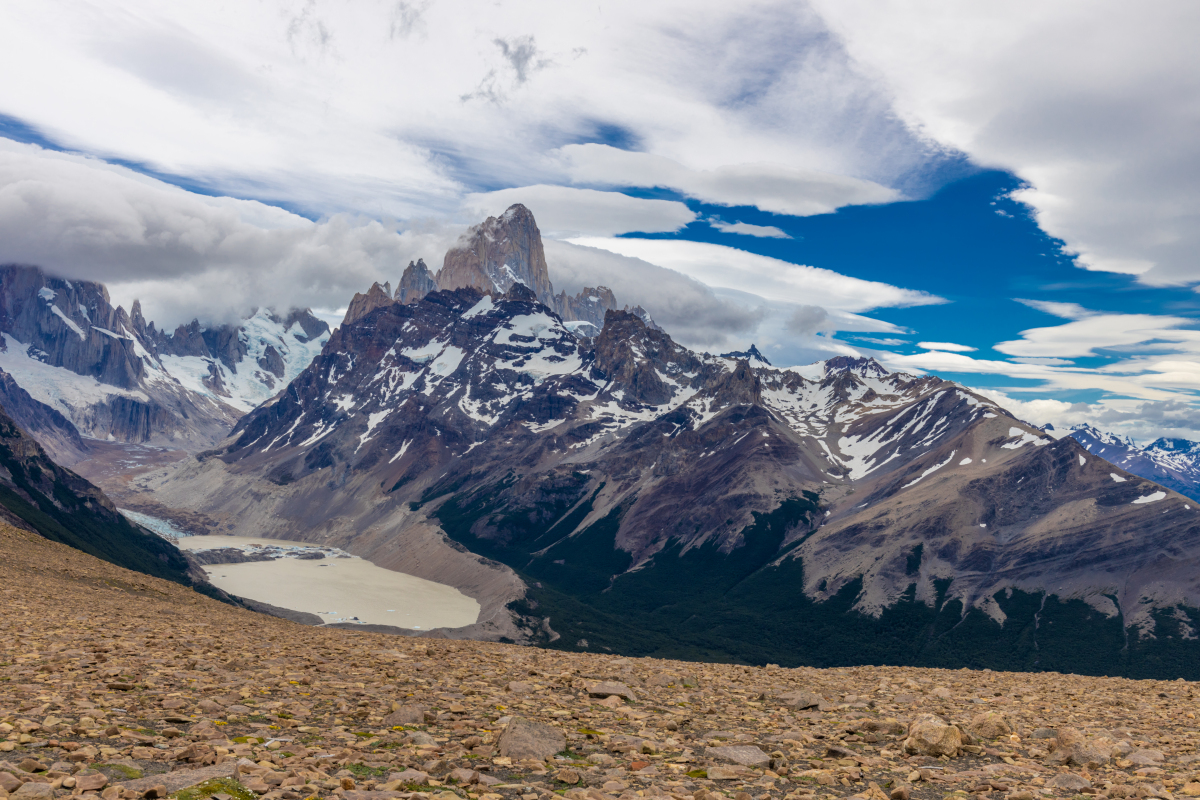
x,y
746,229
949,346
1092,102
770,187
1045,361
401,109
1057,309
564,210
685,308
1083,337
729,268
183,254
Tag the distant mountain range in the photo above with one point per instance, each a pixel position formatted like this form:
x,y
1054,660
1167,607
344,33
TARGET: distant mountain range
x,y
619,492
113,375
1174,463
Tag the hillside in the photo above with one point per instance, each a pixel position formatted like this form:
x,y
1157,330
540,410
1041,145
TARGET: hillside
x,y
42,497
112,681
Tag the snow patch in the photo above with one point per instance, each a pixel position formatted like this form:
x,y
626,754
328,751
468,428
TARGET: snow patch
x,y
1116,478
70,322
1150,498
930,471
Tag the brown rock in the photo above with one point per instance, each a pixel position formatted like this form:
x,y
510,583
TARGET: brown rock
x,y
8,782
989,725
91,783
497,253
405,715
930,735
608,688
568,775
802,700
746,755
1068,781
33,791
1072,747
523,738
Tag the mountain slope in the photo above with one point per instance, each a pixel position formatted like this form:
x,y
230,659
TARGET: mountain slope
x,y
1174,463
38,495
648,499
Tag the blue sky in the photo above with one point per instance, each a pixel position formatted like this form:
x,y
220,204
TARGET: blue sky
x,y
1008,197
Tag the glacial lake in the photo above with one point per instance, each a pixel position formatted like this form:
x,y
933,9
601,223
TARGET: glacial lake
x,y
336,586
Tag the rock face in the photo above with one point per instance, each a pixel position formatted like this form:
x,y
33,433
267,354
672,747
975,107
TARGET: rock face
x,y
500,251
590,305
626,478
416,282
50,428
1174,463
113,374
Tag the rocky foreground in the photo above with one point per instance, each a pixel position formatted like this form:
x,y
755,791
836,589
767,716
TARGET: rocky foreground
x,y
113,684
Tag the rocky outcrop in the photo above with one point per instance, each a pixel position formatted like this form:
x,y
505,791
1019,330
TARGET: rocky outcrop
x,y
500,251
363,304
416,282
590,305
752,355
69,324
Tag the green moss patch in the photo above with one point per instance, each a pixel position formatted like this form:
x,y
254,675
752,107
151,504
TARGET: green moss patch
x,y
228,786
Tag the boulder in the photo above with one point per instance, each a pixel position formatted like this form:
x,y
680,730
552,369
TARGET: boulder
x,y
930,735
1068,782
989,725
745,754
405,715
524,738
609,688
1071,747
1146,758
798,701
91,783
33,791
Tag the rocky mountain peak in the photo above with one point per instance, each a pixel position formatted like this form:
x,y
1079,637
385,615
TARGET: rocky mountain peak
x,y
863,367
416,282
637,362
751,355
1175,446
363,304
500,251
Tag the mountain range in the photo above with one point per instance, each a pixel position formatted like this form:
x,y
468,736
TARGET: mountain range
x,y
597,486
1174,463
622,492
115,376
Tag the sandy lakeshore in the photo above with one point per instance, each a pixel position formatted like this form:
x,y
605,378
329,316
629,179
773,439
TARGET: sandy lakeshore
x,y
337,589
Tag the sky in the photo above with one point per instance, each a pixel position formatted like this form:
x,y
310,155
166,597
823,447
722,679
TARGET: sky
x,y
1006,196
